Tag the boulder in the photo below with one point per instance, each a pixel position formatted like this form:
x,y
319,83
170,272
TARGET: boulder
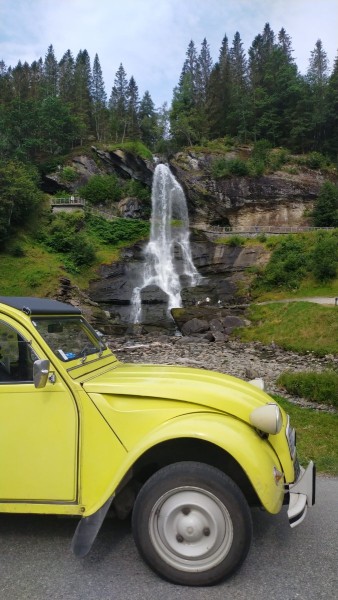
x,y
195,326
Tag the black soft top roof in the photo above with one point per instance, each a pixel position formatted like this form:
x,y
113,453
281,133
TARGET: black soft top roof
x,y
39,306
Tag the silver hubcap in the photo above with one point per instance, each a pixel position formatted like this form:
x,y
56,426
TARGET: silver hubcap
x,y
191,529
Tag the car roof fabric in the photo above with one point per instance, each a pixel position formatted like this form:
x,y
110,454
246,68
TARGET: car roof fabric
x,y
39,306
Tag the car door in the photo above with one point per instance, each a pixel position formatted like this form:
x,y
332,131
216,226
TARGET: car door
x,y
38,427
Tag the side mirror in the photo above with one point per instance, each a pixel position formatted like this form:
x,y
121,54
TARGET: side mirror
x,y
40,373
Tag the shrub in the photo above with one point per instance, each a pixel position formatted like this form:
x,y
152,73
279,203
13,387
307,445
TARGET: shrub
x,y
135,147
68,174
225,168
261,150
17,251
318,387
325,211
118,230
288,264
315,160
102,189
325,258
235,240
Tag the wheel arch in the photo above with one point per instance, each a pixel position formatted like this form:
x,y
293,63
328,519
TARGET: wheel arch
x,y
198,450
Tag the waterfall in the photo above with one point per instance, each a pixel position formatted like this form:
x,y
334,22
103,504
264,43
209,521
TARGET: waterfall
x,y
169,234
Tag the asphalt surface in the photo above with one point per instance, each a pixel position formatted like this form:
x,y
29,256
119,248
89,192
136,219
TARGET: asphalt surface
x,y
283,564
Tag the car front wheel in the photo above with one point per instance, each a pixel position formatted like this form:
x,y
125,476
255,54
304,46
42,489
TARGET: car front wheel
x,y
192,524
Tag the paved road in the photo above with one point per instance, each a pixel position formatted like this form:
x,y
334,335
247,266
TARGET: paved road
x,y
329,301
284,563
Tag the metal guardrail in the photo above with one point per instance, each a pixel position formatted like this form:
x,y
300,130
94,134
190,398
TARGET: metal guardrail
x,y
262,229
68,201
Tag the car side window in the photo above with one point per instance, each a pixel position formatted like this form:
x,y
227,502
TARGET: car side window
x,y
16,356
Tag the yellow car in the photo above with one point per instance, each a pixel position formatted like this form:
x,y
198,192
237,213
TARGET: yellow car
x,y
185,451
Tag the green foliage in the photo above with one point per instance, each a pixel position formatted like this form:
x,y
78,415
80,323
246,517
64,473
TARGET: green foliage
x,y
318,387
101,189
325,212
65,234
117,231
136,189
261,150
235,241
227,167
19,195
134,147
295,257
68,174
325,257
17,250
315,160
287,266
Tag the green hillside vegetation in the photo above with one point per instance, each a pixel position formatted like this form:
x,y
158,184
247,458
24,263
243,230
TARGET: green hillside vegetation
x,y
68,245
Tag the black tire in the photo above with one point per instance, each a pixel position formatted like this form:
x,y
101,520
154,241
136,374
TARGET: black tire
x,y
192,524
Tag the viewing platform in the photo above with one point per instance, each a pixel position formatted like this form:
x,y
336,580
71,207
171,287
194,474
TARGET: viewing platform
x,y
70,204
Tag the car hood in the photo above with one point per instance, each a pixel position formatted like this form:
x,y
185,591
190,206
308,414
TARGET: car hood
x,y
208,389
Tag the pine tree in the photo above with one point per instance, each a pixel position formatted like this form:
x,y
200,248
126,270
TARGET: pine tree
x,y
118,105
148,121
99,99
50,74
82,93
203,72
133,105
331,143
36,78
239,109
66,78
317,77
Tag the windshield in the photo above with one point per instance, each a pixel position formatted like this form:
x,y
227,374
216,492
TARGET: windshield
x,y
69,337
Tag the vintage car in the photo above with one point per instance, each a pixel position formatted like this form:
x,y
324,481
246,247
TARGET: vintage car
x,y
185,451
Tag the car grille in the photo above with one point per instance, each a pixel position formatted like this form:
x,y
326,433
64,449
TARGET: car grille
x,y
296,466
290,433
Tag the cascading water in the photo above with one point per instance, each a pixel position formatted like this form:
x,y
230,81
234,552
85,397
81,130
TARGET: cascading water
x,y
169,235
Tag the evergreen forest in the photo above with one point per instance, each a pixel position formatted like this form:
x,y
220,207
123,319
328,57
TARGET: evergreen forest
x,y
52,106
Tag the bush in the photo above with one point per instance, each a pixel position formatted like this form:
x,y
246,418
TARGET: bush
x,y
261,150
225,168
102,189
288,264
315,160
325,211
68,174
325,258
318,387
118,230
235,240
135,147
17,251
65,234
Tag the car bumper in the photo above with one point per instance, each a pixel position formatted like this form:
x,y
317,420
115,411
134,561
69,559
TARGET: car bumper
x,y
302,494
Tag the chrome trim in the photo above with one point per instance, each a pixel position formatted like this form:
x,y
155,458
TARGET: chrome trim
x,y
290,433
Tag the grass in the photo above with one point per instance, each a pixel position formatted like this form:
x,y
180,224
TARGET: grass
x,y
317,436
298,326
318,387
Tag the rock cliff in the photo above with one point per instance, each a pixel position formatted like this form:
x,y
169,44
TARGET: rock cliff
x,y
280,198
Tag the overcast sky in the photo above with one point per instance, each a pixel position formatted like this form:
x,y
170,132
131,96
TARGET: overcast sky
x,y
150,37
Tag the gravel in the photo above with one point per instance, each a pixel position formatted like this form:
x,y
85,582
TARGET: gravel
x,y
243,360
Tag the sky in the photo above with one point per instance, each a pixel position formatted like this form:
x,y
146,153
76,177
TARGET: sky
x,y
150,37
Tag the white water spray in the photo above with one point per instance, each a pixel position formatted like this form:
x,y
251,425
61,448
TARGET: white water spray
x,y
169,234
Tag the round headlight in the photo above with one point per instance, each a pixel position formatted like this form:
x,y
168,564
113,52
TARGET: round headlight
x,y
267,418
